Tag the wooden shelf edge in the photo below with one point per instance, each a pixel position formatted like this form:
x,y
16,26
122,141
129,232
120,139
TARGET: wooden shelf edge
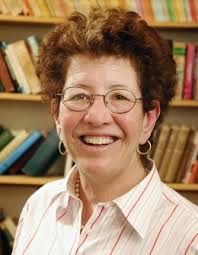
x,y
26,180
184,103
39,181
19,97
57,20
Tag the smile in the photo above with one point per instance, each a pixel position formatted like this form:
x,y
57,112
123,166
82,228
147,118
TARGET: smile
x,y
97,140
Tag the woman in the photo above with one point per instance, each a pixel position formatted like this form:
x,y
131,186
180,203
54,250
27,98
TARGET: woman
x,y
109,77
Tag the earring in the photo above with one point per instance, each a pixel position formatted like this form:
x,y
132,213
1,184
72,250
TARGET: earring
x,y
147,144
61,148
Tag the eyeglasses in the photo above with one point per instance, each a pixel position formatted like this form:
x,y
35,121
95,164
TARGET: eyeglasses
x,y
117,100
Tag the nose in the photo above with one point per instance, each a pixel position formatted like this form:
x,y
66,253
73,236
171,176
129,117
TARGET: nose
x,y
98,114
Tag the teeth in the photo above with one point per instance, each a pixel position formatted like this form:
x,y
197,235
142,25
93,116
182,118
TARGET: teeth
x,y
97,140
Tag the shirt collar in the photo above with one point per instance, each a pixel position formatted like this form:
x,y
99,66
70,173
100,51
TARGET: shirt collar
x,y
139,204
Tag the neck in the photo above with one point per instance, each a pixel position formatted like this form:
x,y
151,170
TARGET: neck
x,y
94,190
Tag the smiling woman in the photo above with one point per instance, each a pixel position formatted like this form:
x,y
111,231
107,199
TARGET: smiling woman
x,y
109,78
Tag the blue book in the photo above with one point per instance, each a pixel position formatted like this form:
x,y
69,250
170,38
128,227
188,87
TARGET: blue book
x,y
44,156
21,149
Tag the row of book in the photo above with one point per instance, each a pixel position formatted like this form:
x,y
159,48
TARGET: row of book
x,y
186,58
175,152
17,66
8,228
151,10
33,153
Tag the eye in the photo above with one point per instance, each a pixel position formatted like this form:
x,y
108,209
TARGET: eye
x,y
80,96
119,97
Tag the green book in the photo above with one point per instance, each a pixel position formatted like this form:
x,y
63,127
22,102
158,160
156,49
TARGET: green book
x,y
5,137
170,9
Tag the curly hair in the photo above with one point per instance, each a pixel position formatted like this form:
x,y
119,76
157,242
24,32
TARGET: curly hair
x,y
114,32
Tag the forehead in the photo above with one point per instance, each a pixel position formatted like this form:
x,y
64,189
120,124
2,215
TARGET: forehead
x,y
101,72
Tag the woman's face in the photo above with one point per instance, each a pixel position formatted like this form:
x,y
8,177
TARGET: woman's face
x,y
82,132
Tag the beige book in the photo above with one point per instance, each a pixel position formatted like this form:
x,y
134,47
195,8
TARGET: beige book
x,y
13,144
191,159
14,6
168,151
17,69
35,7
188,150
44,10
177,154
3,8
21,51
68,164
160,147
10,225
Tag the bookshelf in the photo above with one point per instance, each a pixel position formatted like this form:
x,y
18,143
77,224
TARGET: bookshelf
x,y
28,111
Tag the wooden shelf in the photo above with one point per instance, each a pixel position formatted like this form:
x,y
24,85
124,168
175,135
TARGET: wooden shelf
x,y
38,181
57,20
26,180
184,103
19,97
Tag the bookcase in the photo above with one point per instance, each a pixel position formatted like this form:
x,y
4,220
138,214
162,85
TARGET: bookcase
x,y
19,111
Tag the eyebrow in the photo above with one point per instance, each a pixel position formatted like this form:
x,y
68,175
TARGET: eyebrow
x,y
113,86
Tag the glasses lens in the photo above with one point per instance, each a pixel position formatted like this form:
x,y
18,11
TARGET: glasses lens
x,y
120,100
76,99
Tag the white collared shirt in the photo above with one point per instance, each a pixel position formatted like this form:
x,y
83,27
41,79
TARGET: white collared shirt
x,y
149,219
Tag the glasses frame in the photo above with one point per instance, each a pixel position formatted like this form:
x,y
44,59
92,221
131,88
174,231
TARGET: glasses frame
x,y
93,98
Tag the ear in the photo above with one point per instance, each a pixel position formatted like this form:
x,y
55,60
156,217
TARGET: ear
x,y
149,122
55,116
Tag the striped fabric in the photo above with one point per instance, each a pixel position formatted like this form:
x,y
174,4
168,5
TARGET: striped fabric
x,y
149,219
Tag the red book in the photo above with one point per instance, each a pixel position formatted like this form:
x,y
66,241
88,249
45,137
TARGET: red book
x,y
5,75
193,10
194,174
189,71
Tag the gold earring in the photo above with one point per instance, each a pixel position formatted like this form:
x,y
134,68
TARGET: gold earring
x,y
61,148
148,143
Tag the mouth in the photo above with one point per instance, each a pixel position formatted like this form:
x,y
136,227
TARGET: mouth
x,y
98,140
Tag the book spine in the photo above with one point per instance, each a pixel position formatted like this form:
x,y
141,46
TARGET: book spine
x,y
189,71
44,156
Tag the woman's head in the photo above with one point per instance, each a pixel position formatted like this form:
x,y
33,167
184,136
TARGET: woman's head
x,y
112,33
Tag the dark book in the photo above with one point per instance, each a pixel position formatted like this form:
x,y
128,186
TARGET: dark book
x,y
5,75
5,137
45,155
20,163
19,151
6,248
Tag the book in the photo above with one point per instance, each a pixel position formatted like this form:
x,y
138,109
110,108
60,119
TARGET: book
x,y
33,46
171,10
20,150
17,69
19,48
1,129
194,173
20,163
160,12
193,10
195,91
187,10
179,53
161,144
13,144
179,10
57,167
6,247
192,157
45,155
168,151
188,151
5,137
189,71
148,11
43,8
33,4
5,75
10,225
177,154
15,7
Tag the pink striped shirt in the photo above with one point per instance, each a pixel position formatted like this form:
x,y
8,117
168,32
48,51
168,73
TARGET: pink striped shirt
x,y
149,219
